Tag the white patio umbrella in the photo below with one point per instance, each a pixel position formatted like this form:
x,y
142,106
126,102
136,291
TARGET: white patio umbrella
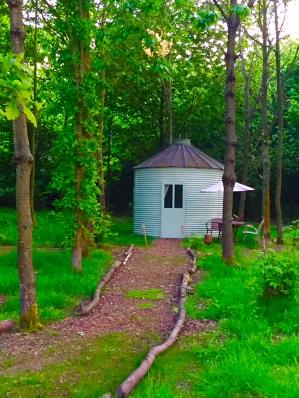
x,y
218,187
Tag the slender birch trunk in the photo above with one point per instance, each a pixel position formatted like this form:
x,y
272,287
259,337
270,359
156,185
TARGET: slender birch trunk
x,y
265,122
23,160
280,132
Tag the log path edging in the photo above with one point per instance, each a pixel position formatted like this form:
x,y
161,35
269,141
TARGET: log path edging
x,y
127,386
86,308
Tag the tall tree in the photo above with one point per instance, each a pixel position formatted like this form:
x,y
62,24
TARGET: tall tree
x,y
266,163
23,160
81,68
32,128
232,19
246,132
280,129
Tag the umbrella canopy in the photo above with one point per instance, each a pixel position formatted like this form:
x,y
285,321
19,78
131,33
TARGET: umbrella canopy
x,y
218,187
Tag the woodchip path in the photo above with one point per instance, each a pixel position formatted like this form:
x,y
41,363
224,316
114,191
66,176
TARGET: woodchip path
x,y
157,267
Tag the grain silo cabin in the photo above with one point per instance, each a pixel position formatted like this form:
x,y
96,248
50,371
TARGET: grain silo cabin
x,y
167,198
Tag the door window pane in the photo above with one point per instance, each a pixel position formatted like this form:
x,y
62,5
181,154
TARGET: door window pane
x,y
178,197
168,196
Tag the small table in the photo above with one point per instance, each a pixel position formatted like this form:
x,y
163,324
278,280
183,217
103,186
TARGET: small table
x,y
235,225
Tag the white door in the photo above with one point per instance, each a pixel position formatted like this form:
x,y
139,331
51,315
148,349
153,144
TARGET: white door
x,y
173,211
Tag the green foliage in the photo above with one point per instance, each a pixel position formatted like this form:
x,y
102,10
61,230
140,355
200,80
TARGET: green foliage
x,y
15,87
241,10
280,273
291,231
59,290
205,18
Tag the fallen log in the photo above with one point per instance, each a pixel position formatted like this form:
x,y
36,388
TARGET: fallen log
x,y
193,257
85,309
7,326
128,385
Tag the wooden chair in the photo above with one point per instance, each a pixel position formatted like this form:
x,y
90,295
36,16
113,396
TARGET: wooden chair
x,y
252,230
213,226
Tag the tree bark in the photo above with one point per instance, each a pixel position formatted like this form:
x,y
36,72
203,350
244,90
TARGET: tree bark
x,y
100,148
23,160
32,127
81,240
168,97
229,176
265,123
163,139
109,172
280,132
246,133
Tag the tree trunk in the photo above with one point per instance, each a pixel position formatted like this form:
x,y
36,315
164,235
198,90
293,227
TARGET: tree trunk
x,y
23,160
280,133
100,148
109,173
81,240
246,133
168,97
265,124
32,127
229,176
163,138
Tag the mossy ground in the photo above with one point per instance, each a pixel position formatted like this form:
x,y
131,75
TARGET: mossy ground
x,y
90,368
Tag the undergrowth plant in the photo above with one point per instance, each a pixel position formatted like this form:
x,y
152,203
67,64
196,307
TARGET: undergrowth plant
x,y
279,273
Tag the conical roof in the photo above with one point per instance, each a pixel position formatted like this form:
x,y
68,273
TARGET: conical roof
x,y
181,154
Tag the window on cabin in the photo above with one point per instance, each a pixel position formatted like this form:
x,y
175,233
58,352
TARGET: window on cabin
x,y
173,196
168,196
178,197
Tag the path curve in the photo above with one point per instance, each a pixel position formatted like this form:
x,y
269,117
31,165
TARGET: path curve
x,y
157,267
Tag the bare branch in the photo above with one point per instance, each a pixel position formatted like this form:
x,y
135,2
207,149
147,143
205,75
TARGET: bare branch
x,y
221,10
250,3
251,37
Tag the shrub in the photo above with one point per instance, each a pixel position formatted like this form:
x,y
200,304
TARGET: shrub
x,y
279,274
292,231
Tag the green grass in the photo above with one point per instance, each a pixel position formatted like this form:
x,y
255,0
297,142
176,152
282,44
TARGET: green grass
x,y
87,369
121,233
53,228
254,352
146,294
176,372
59,289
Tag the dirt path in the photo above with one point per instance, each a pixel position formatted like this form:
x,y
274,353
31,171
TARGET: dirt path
x,y
159,267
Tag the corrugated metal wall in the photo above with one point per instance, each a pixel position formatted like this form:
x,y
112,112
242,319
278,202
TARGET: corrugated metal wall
x,y
199,207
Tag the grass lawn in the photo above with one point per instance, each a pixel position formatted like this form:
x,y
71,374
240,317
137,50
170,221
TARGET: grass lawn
x,y
254,352
58,288
53,227
122,233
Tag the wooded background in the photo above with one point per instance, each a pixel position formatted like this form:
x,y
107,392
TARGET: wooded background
x,y
153,66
